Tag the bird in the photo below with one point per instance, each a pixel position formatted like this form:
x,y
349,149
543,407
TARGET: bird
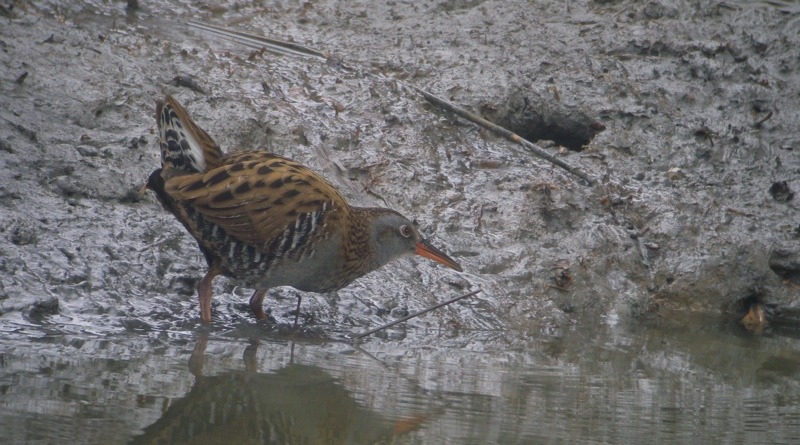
x,y
267,221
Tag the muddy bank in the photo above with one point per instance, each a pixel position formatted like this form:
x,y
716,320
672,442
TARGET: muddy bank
x,y
698,104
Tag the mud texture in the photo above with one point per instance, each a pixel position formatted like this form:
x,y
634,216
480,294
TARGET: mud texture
x,y
698,165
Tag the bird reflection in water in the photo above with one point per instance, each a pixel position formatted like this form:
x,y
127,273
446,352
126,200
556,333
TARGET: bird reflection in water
x,y
298,404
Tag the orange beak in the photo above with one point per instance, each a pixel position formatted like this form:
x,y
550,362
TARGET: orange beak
x,y
426,250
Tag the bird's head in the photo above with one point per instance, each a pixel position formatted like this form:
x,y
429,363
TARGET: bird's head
x,y
393,235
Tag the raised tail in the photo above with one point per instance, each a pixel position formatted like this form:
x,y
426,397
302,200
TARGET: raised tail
x,y
185,147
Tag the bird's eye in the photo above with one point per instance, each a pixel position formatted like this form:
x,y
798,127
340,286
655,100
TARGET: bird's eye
x,y
405,231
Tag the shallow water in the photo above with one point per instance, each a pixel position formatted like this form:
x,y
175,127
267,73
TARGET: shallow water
x,y
614,384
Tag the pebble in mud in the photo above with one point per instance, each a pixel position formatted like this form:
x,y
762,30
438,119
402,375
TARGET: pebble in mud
x,y
42,307
23,235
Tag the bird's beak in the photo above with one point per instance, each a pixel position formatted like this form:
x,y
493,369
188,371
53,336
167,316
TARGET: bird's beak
x,y
426,250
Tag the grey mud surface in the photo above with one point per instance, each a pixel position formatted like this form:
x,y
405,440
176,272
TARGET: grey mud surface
x,y
699,101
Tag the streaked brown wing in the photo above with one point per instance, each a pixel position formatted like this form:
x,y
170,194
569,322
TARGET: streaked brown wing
x,y
256,196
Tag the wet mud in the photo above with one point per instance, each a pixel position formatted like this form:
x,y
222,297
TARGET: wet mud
x,y
684,113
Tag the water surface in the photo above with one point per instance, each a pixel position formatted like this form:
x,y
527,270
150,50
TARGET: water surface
x,y
609,384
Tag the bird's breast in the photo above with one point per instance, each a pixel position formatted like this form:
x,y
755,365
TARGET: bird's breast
x,y
314,267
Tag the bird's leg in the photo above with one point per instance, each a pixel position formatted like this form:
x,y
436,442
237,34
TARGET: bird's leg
x,y
256,304
204,293
297,310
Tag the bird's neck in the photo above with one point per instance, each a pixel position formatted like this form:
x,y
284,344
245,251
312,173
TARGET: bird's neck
x,y
361,250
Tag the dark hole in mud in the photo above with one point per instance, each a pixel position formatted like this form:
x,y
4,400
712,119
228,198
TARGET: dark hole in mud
x,y
544,119
781,192
791,275
786,264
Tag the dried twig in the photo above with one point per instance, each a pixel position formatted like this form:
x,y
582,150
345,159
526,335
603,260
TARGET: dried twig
x,y
287,48
761,121
415,314
258,42
501,131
